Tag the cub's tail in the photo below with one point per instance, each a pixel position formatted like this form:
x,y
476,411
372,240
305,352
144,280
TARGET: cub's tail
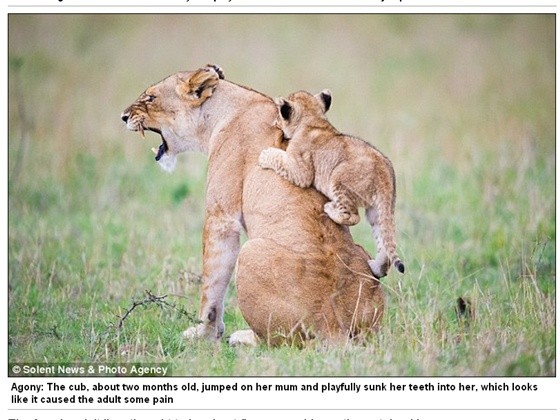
x,y
399,265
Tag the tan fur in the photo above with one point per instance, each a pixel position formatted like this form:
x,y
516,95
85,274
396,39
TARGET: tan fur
x,y
299,274
349,171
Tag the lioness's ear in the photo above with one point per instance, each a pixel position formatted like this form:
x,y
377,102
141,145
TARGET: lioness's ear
x,y
284,107
200,85
325,98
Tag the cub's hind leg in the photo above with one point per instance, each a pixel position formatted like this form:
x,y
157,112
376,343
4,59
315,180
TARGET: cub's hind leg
x,y
380,265
342,209
382,225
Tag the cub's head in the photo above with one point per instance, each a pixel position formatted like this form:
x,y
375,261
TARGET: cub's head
x,y
171,108
301,108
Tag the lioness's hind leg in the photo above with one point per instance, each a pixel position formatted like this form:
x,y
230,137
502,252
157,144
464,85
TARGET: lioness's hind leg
x,y
244,338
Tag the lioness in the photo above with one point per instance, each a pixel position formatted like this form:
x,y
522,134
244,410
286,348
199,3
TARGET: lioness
x,y
299,274
349,171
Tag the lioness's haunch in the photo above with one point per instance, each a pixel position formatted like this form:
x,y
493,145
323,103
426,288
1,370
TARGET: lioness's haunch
x,y
299,274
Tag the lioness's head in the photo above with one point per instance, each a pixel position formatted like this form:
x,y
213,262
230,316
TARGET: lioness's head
x,y
300,107
171,109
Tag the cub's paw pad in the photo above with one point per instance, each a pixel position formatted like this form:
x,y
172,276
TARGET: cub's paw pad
x,y
351,219
332,212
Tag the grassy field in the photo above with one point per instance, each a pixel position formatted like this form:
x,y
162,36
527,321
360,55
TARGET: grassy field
x,y
464,105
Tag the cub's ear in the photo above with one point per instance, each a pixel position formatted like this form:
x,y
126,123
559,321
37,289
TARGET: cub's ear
x,y
325,98
200,85
217,69
284,107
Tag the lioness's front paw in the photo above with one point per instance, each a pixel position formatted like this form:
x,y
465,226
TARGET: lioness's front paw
x,y
243,338
267,157
203,331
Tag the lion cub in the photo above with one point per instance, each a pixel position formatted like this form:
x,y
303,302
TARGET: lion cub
x,y
349,171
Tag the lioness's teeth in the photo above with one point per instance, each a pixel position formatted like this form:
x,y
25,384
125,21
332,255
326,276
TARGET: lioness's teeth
x,y
155,151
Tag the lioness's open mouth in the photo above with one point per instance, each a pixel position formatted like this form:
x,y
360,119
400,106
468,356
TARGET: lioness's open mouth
x,y
161,150
162,147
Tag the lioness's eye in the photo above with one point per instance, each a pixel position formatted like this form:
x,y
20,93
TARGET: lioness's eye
x,y
150,98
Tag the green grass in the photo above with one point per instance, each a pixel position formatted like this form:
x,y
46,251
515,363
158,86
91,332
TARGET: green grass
x,y
462,104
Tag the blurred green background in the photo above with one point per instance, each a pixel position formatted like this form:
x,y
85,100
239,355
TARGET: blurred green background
x,y
464,106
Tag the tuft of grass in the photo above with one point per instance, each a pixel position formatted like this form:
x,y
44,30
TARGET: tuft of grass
x,y
462,104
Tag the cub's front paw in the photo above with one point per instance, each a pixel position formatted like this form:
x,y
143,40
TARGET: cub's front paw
x,y
266,158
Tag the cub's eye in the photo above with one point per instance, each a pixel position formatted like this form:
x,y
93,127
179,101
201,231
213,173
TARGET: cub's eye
x,y
150,98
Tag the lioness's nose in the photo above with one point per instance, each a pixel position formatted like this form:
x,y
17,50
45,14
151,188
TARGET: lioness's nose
x,y
124,116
